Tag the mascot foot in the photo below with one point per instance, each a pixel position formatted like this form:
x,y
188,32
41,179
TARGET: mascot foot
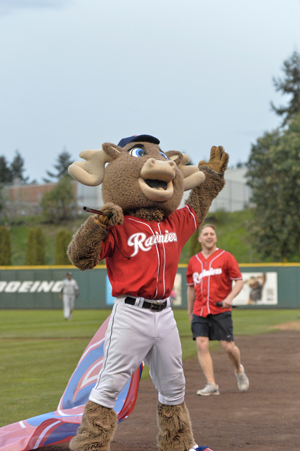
x,y
200,448
175,429
96,430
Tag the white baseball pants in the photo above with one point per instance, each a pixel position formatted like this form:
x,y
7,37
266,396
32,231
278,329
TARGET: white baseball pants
x,y
134,335
68,302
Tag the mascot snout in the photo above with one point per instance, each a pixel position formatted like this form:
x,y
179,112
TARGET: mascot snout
x,y
156,179
163,170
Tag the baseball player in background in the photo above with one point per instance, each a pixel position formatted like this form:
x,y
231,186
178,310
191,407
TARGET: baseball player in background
x,y
69,292
210,294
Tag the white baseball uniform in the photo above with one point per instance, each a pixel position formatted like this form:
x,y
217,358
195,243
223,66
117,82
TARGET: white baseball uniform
x,y
142,259
69,290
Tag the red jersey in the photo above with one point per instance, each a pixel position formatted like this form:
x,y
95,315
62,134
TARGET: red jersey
x,y
154,249
212,279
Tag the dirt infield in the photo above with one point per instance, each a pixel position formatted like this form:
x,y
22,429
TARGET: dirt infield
x,y
266,418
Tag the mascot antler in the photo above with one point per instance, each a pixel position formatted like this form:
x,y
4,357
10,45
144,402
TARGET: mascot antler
x,y
192,176
91,171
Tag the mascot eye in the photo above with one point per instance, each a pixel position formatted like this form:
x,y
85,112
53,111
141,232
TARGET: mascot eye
x,y
137,152
164,155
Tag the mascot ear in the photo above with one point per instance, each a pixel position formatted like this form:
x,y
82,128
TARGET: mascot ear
x,y
175,156
192,176
112,150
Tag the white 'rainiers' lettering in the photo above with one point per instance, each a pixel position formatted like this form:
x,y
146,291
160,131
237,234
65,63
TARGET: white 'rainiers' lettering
x,y
211,272
139,241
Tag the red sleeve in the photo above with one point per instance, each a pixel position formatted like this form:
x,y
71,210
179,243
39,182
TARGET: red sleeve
x,y
186,223
107,246
189,273
233,268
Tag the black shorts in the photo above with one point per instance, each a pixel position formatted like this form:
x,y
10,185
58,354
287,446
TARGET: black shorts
x,y
215,327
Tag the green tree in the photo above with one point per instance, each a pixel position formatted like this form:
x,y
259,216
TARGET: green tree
x,y
35,252
5,254
2,201
63,239
289,85
30,249
194,245
59,204
5,171
17,168
40,246
274,176
63,162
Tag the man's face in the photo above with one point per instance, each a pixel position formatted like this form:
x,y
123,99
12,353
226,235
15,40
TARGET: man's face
x,y
69,276
208,238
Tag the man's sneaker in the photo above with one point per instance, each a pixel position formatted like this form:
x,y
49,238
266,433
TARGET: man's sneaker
x,y
208,390
242,380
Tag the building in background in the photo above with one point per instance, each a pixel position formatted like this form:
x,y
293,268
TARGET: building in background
x,y
234,196
25,199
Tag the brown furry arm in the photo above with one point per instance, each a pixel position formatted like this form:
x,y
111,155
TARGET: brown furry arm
x,y
201,197
85,247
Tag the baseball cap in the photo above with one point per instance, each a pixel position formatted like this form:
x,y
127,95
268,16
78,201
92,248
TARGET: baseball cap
x,y
134,138
69,273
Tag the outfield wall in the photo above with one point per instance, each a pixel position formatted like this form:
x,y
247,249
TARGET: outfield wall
x,y
38,287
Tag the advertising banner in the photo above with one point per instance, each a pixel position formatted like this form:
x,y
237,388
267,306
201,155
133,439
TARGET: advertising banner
x,y
268,286
260,288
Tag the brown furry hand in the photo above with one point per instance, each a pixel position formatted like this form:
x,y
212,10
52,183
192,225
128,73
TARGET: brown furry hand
x,y
218,160
112,215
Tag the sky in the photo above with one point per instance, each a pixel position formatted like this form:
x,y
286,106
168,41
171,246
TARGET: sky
x,y
193,73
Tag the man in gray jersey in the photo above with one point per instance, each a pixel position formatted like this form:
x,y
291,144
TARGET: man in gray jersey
x,y
68,293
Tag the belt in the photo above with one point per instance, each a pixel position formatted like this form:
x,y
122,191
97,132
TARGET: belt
x,y
154,306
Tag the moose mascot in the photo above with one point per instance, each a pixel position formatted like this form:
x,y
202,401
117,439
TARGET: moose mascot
x,y
140,232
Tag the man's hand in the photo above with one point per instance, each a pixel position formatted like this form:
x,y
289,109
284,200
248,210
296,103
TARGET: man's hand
x,y
218,160
226,303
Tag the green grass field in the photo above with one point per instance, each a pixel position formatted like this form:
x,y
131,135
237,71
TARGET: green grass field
x,y
39,351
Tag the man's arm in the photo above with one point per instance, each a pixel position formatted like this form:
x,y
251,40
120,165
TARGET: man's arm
x,y
191,296
227,302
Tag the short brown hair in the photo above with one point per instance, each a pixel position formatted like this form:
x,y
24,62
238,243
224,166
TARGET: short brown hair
x,y
206,225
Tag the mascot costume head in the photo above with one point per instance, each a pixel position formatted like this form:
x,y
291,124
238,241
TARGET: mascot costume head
x,y
140,232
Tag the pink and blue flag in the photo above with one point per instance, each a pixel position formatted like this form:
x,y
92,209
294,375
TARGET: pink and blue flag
x,y
59,427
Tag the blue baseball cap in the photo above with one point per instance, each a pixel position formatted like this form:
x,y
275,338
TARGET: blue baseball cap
x,y
134,138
